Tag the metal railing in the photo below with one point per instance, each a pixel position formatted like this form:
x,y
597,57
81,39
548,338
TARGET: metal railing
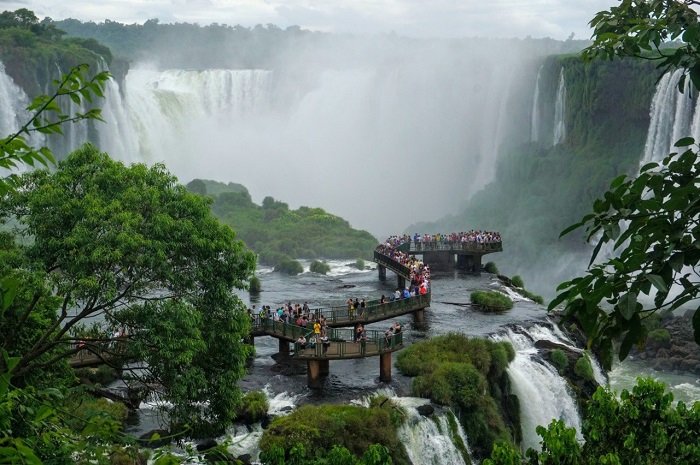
x,y
455,246
341,316
393,265
341,344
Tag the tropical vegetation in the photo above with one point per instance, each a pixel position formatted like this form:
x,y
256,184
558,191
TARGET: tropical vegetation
x,y
491,301
280,235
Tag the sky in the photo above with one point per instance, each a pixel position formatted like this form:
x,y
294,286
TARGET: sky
x,y
556,19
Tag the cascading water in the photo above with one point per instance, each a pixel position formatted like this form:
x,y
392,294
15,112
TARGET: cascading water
x,y
543,393
535,131
673,115
435,440
559,109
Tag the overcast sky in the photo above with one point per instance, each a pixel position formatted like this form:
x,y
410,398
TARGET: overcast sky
x,y
417,18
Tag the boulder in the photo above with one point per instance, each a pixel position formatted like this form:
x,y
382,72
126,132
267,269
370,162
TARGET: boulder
x,y
425,410
206,444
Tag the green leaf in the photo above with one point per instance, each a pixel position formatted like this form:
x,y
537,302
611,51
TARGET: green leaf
x,y
627,305
684,142
657,281
696,326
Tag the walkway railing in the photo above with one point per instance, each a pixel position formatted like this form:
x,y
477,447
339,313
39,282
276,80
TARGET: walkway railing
x,y
453,246
340,316
342,345
393,265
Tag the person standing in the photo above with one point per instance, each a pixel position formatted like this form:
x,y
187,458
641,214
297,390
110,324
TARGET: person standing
x,y
325,343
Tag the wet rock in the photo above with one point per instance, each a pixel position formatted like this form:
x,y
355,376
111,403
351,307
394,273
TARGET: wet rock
x,y
206,445
425,410
163,440
246,459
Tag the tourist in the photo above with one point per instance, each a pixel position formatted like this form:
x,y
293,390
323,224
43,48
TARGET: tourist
x,y
363,306
325,343
317,328
302,342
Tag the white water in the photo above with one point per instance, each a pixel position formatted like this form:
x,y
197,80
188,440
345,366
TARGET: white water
x,y
559,111
543,394
673,115
535,131
429,441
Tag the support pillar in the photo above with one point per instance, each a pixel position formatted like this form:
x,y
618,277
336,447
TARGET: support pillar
x,y
324,367
477,262
385,367
401,283
382,271
283,346
418,316
313,374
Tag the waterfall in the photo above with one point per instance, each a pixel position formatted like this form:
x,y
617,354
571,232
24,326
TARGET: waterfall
x,y
535,132
559,109
672,117
544,395
435,440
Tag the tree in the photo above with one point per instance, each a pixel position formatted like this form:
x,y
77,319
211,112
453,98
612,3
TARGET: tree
x,y
652,221
133,247
638,427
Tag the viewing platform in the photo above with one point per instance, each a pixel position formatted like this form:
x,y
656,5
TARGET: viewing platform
x,y
342,344
441,255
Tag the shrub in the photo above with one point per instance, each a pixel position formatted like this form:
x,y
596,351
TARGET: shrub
x,y
254,408
490,267
518,281
255,285
289,266
319,267
105,374
491,300
560,360
660,335
360,264
583,368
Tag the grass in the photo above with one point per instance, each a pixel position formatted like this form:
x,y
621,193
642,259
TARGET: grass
x,y
491,301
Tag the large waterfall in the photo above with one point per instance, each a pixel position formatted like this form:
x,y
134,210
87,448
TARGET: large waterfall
x,y
559,111
436,119
674,115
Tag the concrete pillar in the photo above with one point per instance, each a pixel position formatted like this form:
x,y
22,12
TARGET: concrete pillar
x,y
385,367
284,347
313,374
418,316
382,271
324,367
477,262
463,262
401,283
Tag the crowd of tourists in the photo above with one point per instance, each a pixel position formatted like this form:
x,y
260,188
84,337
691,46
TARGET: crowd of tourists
x,y
419,272
434,241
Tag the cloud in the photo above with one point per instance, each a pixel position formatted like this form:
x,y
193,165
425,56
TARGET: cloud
x,y
437,18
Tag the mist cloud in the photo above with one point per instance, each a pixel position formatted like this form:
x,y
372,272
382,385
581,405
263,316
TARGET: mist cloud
x,y
416,18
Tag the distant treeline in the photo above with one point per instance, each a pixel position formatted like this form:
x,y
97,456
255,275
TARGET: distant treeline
x,y
34,53
191,46
277,233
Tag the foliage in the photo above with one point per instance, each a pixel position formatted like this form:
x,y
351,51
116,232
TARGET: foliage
x,y
491,267
321,428
659,335
641,427
254,406
255,285
491,300
465,374
584,369
319,267
47,117
560,360
518,281
289,266
652,222
133,245
360,264
275,232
